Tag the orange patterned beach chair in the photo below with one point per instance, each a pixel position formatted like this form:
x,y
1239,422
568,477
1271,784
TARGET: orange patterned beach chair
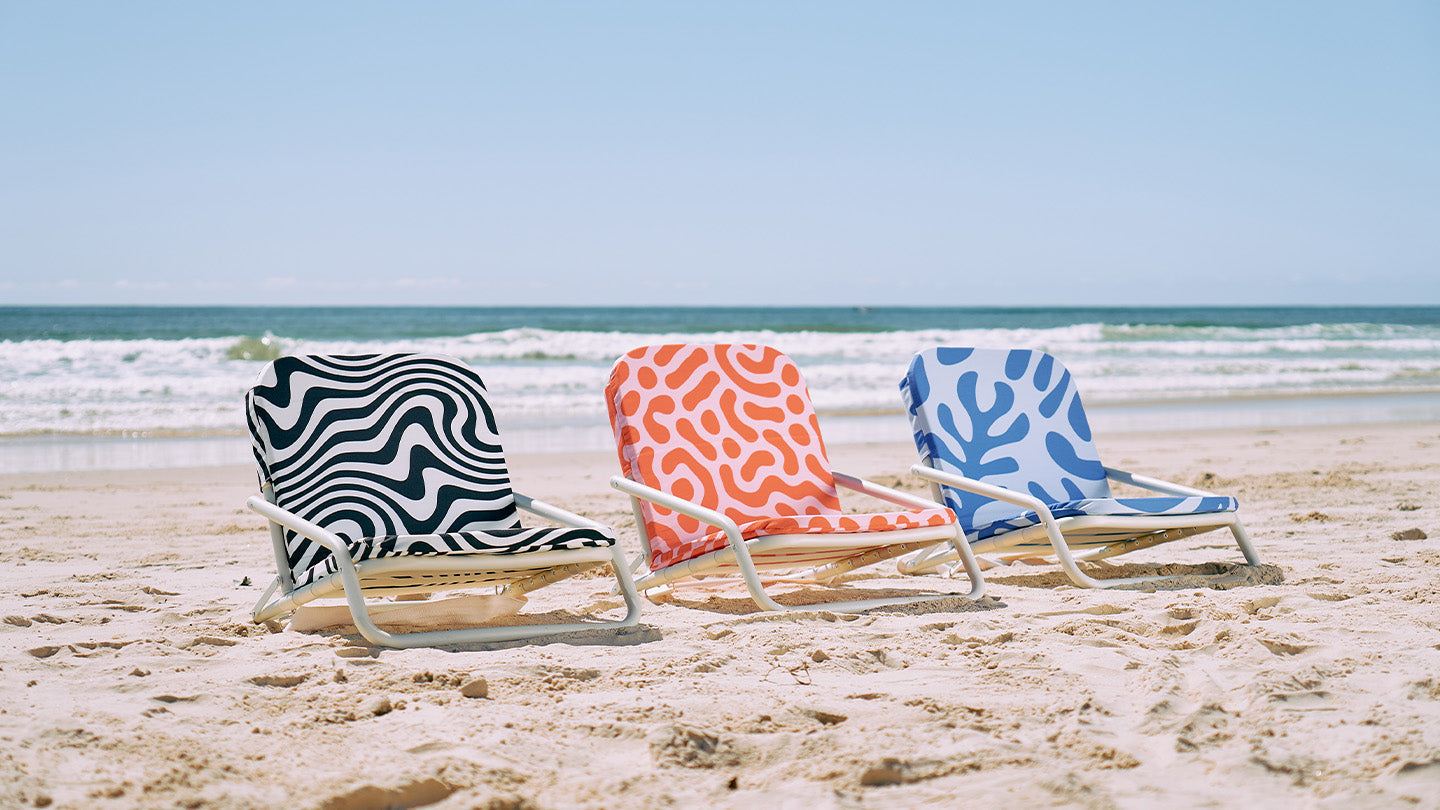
x,y
722,457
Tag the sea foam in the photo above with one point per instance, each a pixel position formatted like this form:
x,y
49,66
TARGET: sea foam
x,y
542,377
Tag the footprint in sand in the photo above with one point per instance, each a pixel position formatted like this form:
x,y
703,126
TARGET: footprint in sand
x,y
1284,647
693,747
285,681
1206,728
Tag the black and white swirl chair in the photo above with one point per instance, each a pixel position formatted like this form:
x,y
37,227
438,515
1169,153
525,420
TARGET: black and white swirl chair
x,y
382,475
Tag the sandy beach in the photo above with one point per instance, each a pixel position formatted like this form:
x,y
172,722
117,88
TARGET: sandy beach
x,y
134,678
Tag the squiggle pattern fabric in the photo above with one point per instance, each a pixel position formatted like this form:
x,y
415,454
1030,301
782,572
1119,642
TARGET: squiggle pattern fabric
x,y
1014,419
729,427
395,453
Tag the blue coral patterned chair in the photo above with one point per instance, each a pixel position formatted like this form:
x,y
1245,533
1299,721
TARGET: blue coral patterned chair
x,y
1006,445
382,475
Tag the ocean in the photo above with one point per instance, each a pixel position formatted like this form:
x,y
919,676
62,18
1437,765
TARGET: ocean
x,y
117,387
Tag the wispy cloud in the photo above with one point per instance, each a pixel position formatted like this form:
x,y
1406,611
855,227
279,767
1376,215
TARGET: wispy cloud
x,y
435,283
143,286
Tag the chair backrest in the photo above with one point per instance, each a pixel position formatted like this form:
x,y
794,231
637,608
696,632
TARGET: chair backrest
x,y
727,426
378,445
1008,418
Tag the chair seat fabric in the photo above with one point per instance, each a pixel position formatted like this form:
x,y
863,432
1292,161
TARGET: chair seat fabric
x,y
492,541
807,524
1103,507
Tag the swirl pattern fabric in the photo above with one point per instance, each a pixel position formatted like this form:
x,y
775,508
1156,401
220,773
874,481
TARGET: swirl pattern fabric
x,y
395,453
1014,419
729,427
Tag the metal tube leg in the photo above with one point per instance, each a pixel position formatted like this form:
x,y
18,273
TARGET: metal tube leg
x,y
972,566
1242,539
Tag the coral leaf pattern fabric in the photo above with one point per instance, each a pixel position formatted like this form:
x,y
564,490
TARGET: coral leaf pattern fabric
x,y
1013,418
396,453
731,428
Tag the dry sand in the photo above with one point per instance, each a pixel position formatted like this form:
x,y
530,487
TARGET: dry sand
x,y
133,677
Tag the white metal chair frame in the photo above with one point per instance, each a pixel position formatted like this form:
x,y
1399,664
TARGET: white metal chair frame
x,y
845,551
1145,530
393,576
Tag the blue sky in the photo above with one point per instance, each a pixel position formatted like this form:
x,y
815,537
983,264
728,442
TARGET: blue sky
x,y
958,153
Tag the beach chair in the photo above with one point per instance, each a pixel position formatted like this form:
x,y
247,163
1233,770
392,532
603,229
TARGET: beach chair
x,y
723,460
382,475
1005,443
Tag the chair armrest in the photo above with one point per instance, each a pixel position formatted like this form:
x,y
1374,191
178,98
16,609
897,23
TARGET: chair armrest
x,y
684,507
555,513
734,541
883,493
1153,484
981,488
300,526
